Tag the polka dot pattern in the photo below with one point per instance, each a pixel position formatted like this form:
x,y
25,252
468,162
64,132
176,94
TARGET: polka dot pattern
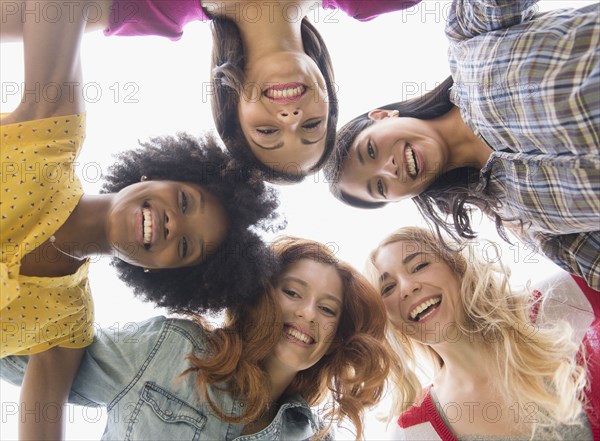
x,y
39,191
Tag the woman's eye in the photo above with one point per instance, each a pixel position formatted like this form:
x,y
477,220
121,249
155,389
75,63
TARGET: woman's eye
x,y
184,248
387,289
330,312
311,125
290,292
380,188
266,131
420,266
184,202
370,150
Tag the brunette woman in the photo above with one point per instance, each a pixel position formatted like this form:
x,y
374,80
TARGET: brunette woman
x,y
514,132
315,338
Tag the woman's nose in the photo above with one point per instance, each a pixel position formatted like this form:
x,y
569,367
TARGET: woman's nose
x,y
307,312
390,167
289,115
409,287
171,225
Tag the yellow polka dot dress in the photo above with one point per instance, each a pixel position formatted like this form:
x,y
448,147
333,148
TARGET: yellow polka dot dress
x,y
39,191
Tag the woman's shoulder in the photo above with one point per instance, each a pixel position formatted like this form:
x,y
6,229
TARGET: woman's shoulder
x,y
418,411
152,17
365,10
50,121
64,129
177,330
188,330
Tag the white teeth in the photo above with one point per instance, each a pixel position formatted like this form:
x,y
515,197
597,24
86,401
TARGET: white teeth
x,y
423,306
147,225
298,335
410,161
285,93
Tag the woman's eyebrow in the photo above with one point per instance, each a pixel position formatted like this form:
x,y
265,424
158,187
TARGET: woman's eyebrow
x,y
333,299
410,257
202,249
307,142
370,189
275,147
359,154
383,277
201,202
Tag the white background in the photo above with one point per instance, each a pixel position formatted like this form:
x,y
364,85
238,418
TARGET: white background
x,y
146,86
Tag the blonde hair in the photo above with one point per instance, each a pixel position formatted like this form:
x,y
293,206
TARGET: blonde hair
x,y
535,364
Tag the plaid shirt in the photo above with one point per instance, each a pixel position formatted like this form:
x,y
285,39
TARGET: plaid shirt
x,y
529,85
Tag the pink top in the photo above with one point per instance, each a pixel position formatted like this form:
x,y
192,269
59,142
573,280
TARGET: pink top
x,y
166,18
365,10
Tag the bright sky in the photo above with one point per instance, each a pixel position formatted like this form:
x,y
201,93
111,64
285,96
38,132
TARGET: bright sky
x,y
146,86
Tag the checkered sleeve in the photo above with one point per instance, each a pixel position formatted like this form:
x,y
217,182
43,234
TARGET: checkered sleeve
x,y
577,253
469,18
532,92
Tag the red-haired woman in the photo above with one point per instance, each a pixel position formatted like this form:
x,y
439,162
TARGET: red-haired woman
x,y
315,338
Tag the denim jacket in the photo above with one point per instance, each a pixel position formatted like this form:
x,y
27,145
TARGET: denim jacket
x,y
135,373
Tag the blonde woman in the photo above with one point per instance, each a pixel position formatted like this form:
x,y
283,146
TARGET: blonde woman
x,y
495,375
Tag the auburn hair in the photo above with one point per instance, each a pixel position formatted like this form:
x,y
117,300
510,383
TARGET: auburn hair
x,y
350,377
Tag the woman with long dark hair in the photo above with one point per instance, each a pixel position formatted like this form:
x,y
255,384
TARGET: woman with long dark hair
x,y
273,88
514,132
174,213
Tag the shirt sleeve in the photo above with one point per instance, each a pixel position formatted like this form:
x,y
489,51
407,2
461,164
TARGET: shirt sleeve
x,y
365,10
164,18
469,18
112,362
575,253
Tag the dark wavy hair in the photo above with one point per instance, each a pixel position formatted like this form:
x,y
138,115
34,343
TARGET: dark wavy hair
x,y
236,272
451,195
228,65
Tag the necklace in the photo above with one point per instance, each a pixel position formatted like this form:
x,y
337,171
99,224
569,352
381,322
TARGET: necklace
x,y
53,239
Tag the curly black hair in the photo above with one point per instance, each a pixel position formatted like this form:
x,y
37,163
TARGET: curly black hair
x,y
236,272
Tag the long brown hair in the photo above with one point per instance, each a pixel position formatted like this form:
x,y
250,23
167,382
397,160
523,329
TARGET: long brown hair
x,y
350,377
447,203
227,66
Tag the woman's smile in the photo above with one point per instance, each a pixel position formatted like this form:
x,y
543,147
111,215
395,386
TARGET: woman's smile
x,y
424,309
170,224
285,93
297,336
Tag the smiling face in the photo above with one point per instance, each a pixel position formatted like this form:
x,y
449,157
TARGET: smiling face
x,y
283,111
420,291
310,295
165,224
393,159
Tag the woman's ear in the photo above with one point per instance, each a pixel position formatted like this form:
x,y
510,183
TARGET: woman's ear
x,y
379,114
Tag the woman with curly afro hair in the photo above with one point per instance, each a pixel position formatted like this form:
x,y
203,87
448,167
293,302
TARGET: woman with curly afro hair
x,y
235,266
176,214
308,353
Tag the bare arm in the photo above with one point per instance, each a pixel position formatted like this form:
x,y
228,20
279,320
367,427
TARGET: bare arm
x,y
96,14
46,386
53,79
